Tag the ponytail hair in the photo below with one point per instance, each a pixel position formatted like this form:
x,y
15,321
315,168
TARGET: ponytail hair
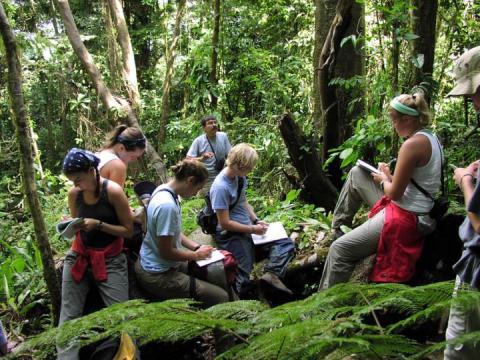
x,y
130,137
415,102
187,168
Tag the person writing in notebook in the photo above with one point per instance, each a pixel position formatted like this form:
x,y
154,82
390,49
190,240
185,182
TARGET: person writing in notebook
x,y
399,216
211,148
162,269
236,224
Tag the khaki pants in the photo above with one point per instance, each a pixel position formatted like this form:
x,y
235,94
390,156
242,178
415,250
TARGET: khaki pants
x,y
359,188
460,322
176,283
112,291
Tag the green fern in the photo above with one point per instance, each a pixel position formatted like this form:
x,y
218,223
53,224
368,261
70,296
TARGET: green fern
x,y
346,319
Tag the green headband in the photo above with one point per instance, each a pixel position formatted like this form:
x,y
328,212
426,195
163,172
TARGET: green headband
x,y
404,109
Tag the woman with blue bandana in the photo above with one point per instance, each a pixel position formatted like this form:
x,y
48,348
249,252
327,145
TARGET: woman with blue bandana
x,y
96,257
399,216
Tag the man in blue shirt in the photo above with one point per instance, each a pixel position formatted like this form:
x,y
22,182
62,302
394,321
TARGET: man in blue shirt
x,y
236,225
210,148
463,321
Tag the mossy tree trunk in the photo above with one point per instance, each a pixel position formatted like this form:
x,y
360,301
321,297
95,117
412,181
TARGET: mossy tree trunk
x,y
316,186
118,107
167,84
214,57
25,141
424,19
336,62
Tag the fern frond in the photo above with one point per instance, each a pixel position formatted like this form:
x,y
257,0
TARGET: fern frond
x,y
168,321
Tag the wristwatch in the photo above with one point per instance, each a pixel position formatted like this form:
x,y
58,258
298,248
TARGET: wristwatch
x,y
255,221
99,226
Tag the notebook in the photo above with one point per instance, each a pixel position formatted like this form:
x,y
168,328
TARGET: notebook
x,y
275,232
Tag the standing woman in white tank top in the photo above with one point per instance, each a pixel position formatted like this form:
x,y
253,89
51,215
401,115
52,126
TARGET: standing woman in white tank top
x,y
123,146
420,158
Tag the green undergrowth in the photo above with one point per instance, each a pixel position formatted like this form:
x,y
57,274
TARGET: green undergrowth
x,y
372,321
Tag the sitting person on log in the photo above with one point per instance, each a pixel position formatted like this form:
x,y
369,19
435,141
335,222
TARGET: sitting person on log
x,y
237,224
162,269
399,217
96,257
463,320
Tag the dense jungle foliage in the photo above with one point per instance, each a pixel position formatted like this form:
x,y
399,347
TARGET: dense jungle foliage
x,y
265,66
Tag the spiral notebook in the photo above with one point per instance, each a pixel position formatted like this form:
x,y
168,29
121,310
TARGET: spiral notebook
x,y
367,167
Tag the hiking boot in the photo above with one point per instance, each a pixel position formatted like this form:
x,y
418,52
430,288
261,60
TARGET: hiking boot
x,y
274,281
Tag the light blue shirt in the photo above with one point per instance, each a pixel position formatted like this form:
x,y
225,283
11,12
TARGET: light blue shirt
x,y
221,147
224,192
164,219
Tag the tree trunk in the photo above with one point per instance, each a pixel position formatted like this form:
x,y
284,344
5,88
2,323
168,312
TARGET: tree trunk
x,y
424,25
115,105
324,14
28,172
129,71
346,19
213,70
170,58
114,64
316,187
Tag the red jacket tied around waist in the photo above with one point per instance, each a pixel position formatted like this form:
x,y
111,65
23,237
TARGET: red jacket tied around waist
x,y
400,244
94,257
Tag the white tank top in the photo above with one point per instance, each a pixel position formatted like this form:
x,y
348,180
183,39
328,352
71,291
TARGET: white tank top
x,y
105,157
427,176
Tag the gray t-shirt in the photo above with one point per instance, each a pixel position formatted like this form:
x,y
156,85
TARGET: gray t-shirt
x,y
224,192
468,267
221,147
164,219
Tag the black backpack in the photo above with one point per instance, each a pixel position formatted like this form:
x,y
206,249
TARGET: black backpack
x,y
207,219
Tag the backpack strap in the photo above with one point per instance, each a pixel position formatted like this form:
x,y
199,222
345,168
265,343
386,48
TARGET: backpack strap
x,y
239,191
442,160
174,196
209,143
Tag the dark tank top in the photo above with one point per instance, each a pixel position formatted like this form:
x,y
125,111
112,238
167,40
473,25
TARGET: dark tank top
x,y
102,210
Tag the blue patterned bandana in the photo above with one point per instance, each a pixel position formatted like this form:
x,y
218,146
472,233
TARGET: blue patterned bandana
x,y
79,160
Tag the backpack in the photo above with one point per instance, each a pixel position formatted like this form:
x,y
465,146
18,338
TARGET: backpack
x,y
115,349
221,273
207,219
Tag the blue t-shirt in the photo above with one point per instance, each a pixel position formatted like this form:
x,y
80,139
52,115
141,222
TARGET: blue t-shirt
x,y
224,192
164,219
221,147
468,267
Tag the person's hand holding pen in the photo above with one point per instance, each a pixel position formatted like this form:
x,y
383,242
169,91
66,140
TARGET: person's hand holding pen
x,y
260,228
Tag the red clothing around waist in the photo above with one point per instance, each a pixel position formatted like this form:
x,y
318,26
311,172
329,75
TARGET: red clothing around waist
x,y
94,257
400,244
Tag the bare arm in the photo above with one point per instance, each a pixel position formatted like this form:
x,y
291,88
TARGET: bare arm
x,y
464,178
116,171
169,252
119,201
226,223
414,152
191,245
72,198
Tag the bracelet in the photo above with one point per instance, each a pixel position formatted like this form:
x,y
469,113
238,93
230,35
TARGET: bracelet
x,y
382,186
197,247
461,179
99,225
